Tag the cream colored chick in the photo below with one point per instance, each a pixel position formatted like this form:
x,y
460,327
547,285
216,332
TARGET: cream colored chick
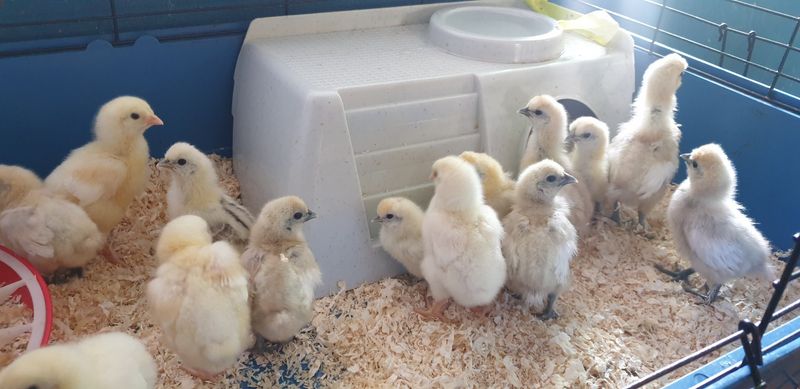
x,y
461,234
199,298
195,190
709,228
50,232
643,156
104,176
589,159
401,232
110,360
283,271
498,187
546,138
540,240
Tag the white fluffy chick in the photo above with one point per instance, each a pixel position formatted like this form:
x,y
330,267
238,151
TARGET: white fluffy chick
x,y
589,159
194,190
283,271
50,232
709,228
110,360
199,298
461,235
105,175
545,140
498,187
643,156
401,232
540,240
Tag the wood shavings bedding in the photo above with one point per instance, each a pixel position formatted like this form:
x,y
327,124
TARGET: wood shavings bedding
x,y
12,315
620,320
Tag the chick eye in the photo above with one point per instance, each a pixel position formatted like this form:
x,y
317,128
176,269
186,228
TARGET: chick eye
x,y
389,216
586,135
135,116
297,215
694,164
551,178
181,162
538,112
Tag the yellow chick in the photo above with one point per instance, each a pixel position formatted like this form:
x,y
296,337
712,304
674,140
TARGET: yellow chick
x,y
199,298
110,360
546,138
50,232
461,235
540,241
105,175
498,187
195,190
401,232
283,271
589,160
643,156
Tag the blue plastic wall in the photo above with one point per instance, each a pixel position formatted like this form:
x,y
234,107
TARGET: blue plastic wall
x,y
47,103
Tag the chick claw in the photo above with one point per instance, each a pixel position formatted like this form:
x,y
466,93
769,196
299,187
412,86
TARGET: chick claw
x,y
483,310
110,255
435,312
677,275
549,310
708,297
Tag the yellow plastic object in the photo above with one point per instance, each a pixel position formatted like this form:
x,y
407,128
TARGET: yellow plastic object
x,y
598,26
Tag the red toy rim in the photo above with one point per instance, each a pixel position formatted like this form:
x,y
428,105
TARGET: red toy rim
x,y
48,324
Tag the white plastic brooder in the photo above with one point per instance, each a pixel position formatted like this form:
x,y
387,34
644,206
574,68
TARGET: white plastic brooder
x,y
346,108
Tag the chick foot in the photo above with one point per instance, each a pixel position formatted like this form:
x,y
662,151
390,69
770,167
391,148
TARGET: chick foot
x,y
108,253
435,311
677,275
549,312
483,310
709,297
64,276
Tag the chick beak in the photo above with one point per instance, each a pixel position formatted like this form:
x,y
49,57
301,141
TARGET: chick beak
x,y
154,120
571,138
309,215
524,111
377,219
165,164
686,156
567,179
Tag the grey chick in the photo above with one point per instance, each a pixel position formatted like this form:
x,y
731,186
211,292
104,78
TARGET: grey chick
x,y
709,228
283,271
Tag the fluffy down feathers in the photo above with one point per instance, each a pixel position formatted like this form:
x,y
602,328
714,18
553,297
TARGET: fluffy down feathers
x,y
401,232
708,226
643,156
110,360
104,176
283,271
195,190
546,138
463,260
199,297
50,232
498,187
540,240
589,159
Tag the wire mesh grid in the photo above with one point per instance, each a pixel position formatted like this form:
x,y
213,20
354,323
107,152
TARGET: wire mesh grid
x,y
652,38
